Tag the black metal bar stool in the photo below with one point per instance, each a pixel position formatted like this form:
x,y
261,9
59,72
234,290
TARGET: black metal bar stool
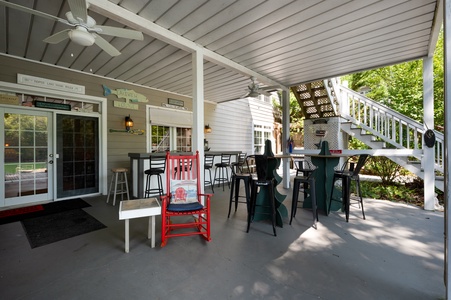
x,y
208,164
223,167
157,168
237,166
348,175
303,168
308,184
235,189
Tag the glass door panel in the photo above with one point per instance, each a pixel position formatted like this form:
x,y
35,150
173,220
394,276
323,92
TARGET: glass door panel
x,y
78,150
27,157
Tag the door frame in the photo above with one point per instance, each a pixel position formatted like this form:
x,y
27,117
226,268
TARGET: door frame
x,y
102,115
50,166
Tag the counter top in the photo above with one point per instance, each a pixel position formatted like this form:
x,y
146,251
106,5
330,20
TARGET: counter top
x,y
157,154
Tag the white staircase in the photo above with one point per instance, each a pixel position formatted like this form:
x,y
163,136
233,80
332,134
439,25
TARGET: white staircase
x,y
376,125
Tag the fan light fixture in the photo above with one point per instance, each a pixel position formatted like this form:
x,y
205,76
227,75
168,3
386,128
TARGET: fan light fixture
x,y
254,94
207,128
81,36
128,123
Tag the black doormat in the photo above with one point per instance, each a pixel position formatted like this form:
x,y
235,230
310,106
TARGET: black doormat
x,y
19,214
59,226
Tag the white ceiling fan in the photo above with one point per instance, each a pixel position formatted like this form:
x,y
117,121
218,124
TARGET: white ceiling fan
x,y
253,91
86,31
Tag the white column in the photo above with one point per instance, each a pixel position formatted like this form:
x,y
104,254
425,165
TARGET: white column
x,y
285,136
428,116
198,111
447,135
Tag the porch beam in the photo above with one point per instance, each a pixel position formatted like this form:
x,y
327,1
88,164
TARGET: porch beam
x,y
447,135
428,120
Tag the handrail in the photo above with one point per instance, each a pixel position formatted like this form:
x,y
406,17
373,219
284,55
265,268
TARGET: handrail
x,y
387,124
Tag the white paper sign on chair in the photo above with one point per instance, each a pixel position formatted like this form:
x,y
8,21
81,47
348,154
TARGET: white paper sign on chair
x,y
183,191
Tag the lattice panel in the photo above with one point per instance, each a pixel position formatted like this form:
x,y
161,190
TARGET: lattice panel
x,y
327,107
301,88
305,96
317,84
311,110
320,93
323,100
308,103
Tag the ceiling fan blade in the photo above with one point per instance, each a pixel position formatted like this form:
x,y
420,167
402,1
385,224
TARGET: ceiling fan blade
x,y
32,11
105,46
119,32
233,99
58,37
79,9
264,93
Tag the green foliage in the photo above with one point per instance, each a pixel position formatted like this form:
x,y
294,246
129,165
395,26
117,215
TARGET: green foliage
x,y
383,167
400,87
394,192
296,119
356,144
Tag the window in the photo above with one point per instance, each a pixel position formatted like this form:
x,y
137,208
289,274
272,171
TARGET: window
x,y
160,138
183,139
163,135
261,134
170,129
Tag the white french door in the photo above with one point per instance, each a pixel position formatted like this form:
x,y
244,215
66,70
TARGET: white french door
x,y
27,156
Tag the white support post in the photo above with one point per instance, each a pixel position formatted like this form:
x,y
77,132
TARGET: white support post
x,y
198,111
428,117
447,134
286,135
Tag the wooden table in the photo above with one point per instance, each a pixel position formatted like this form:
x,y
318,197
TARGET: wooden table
x,y
139,208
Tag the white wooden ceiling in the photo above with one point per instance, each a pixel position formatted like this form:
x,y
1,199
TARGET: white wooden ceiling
x,y
280,42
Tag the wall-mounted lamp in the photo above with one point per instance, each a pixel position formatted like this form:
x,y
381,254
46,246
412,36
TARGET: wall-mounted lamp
x,y
207,128
128,127
128,123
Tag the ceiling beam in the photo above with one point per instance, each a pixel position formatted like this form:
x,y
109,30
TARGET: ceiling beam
x,y
436,27
132,20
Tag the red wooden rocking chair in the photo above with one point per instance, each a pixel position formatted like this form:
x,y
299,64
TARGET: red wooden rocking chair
x,y
184,199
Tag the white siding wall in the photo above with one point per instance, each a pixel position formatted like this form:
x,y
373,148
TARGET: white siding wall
x,y
233,122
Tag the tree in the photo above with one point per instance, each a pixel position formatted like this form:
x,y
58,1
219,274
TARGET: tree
x,y
400,87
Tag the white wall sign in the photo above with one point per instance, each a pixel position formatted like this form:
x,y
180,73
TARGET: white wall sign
x,y
50,84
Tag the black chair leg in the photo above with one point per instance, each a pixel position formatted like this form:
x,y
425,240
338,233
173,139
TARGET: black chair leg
x,y
252,206
314,202
331,195
231,196
237,192
272,202
345,196
360,196
211,182
160,186
248,194
294,201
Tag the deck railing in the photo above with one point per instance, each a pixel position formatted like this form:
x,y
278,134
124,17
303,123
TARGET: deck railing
x,y
386,124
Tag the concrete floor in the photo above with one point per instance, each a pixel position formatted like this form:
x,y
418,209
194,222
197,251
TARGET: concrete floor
x,y
396,253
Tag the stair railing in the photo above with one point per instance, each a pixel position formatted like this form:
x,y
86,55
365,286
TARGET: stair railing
x,y
386,123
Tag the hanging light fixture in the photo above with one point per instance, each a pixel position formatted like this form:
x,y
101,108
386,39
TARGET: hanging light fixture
x,y
207,128
128,123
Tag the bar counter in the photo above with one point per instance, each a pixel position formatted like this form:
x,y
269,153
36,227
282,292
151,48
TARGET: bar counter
x,y
139,162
